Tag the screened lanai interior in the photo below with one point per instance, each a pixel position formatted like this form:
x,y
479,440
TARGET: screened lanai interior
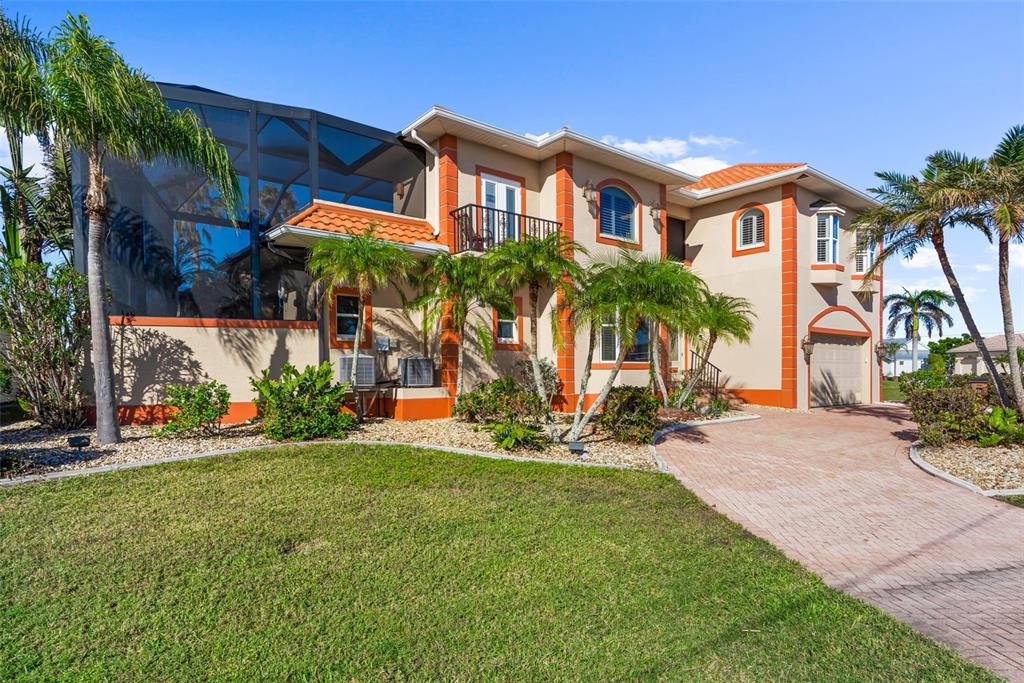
x,y
176,251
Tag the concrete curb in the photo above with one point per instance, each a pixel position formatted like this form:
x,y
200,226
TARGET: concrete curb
x,y
661,434
916,458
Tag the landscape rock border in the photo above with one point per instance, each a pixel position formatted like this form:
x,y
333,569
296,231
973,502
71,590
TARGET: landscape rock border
x,y
915,457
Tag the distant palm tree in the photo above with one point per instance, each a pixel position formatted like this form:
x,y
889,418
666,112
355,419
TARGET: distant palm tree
x,y
910,310
914,213
546,263
364,260
891,349
109,109
719,317
456,286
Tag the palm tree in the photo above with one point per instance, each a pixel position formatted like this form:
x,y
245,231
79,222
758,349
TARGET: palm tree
x,y
364,260
109,109
621,295
911,310
456,286
720,317
546,263
891,349
914,213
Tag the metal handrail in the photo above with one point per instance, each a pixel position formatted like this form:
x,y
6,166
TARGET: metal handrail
x,y
479,228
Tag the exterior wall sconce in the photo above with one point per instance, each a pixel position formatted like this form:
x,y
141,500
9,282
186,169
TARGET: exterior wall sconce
x,y
808,346
657,211
881,352
589,193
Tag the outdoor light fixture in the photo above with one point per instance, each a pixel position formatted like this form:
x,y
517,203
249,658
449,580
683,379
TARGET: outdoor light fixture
x,y
78,442
881,351
589,192
656,212
808,346
576,447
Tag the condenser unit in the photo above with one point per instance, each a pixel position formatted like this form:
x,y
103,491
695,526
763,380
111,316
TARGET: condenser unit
x,y
366,370
416,371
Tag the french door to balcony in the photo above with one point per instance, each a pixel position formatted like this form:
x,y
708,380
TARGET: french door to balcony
x,y
501,199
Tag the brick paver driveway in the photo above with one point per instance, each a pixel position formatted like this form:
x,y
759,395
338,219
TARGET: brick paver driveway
x,y
835,490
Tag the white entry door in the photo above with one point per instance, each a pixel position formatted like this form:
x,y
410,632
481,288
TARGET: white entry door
x,y
501,198
838,367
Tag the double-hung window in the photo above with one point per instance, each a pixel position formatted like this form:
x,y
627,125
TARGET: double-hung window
x,y
828,238
639,351
507,329
618,214
750,229
347,316
865,257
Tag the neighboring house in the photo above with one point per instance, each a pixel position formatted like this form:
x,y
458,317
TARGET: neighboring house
x,y
967,359
197,293
901,362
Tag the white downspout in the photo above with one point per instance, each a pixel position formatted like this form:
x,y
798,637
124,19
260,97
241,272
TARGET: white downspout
x,y
425,145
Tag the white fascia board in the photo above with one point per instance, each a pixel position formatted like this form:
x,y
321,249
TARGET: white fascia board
x,y
282,230
701,195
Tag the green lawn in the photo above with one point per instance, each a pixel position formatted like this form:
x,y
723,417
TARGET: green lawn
x,y
1013,500
395,563
891,391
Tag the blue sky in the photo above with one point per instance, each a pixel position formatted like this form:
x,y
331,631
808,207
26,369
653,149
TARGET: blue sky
x,y
849,87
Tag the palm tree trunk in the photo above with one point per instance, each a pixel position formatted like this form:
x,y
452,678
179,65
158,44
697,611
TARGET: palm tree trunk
x,y
107,429
938,241
459,362
913,350
691,383
656,362
585,380
1011,334
574,435
353,371
538,378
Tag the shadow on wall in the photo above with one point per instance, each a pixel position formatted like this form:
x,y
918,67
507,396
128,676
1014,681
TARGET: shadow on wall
x,y
825,392
248,346
147,360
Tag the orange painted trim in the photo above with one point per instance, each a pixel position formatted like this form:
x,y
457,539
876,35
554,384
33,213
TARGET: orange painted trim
x,y
509,346
762,397
876,278
367,312
790,348
448,185
565,202
736,249
635,196
633,365
156,321
838,331
839,309
158,413
433,408
500,174
828,266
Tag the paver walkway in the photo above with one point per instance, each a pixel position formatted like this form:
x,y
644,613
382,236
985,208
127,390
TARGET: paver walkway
x,y
835,490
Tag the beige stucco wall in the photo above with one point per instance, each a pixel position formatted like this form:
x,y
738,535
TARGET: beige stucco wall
x,y
472,155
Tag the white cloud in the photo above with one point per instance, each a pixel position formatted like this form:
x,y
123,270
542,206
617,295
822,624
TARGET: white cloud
x,y
32,155
652,148
698,165
924,258
712,141
984,267
895,284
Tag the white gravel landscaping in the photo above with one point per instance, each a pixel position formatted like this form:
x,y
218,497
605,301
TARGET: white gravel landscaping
x,y
997,467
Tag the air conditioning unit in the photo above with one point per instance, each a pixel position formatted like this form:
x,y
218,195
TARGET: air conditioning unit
x,y
416,371
366,370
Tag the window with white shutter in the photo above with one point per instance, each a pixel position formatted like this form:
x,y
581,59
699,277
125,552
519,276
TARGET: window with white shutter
x,y
827,238
639,351
751,229
865,257
617,217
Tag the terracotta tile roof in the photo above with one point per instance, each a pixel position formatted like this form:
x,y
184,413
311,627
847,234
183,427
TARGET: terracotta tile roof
x,y
353,220
738,174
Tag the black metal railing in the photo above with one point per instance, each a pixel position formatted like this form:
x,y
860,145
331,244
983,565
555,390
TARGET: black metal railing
x,y
478,228
709,380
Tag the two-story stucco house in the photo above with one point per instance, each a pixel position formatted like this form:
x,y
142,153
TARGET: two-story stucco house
x,y
197,293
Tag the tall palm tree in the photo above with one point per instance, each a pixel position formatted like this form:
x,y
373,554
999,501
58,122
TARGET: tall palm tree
x,y
912,310
721,318
621,295
912,214
536,264
366,261
456,286
109,109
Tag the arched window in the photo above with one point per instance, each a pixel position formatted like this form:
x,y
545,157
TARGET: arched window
x,y
618,214
750,229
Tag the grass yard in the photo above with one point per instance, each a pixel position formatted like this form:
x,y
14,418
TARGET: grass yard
x,y
1013,500
891,391
363,563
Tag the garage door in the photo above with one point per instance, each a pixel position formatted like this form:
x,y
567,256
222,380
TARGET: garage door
x,y
838,365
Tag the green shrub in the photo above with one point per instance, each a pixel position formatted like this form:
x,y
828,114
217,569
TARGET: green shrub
x,y
926,378
932,435
502,400
630,414
200,408
689,403
513,435
1005,428
302,406
958,412
718,406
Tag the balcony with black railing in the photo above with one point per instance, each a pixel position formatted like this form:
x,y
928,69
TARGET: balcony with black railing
x,y
479,228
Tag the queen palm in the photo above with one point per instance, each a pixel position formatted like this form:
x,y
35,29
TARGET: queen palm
x,y
910,311
913,213
366,261
456,286
109,109
720,317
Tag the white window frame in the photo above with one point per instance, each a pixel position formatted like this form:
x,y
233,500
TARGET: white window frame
x,y
830,239
513,321
634,222
618,341
338,315
755,242
866,254
501,197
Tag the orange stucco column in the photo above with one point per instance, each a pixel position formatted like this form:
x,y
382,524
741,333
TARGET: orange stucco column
x,y
448,201
789,297
564,197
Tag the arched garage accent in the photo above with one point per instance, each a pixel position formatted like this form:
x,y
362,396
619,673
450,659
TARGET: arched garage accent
x,y
839,368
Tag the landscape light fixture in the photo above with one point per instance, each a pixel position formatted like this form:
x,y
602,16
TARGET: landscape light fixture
x,y
808,346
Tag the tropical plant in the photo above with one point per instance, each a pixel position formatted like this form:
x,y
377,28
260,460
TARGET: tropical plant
x,y
364,260
548,372
199,409
630,415
939,358
300,406
950,413
455,286
1006,428
503,399
43,313
716,317
914,213
909,311
514,435
109,109
546,263
621,294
